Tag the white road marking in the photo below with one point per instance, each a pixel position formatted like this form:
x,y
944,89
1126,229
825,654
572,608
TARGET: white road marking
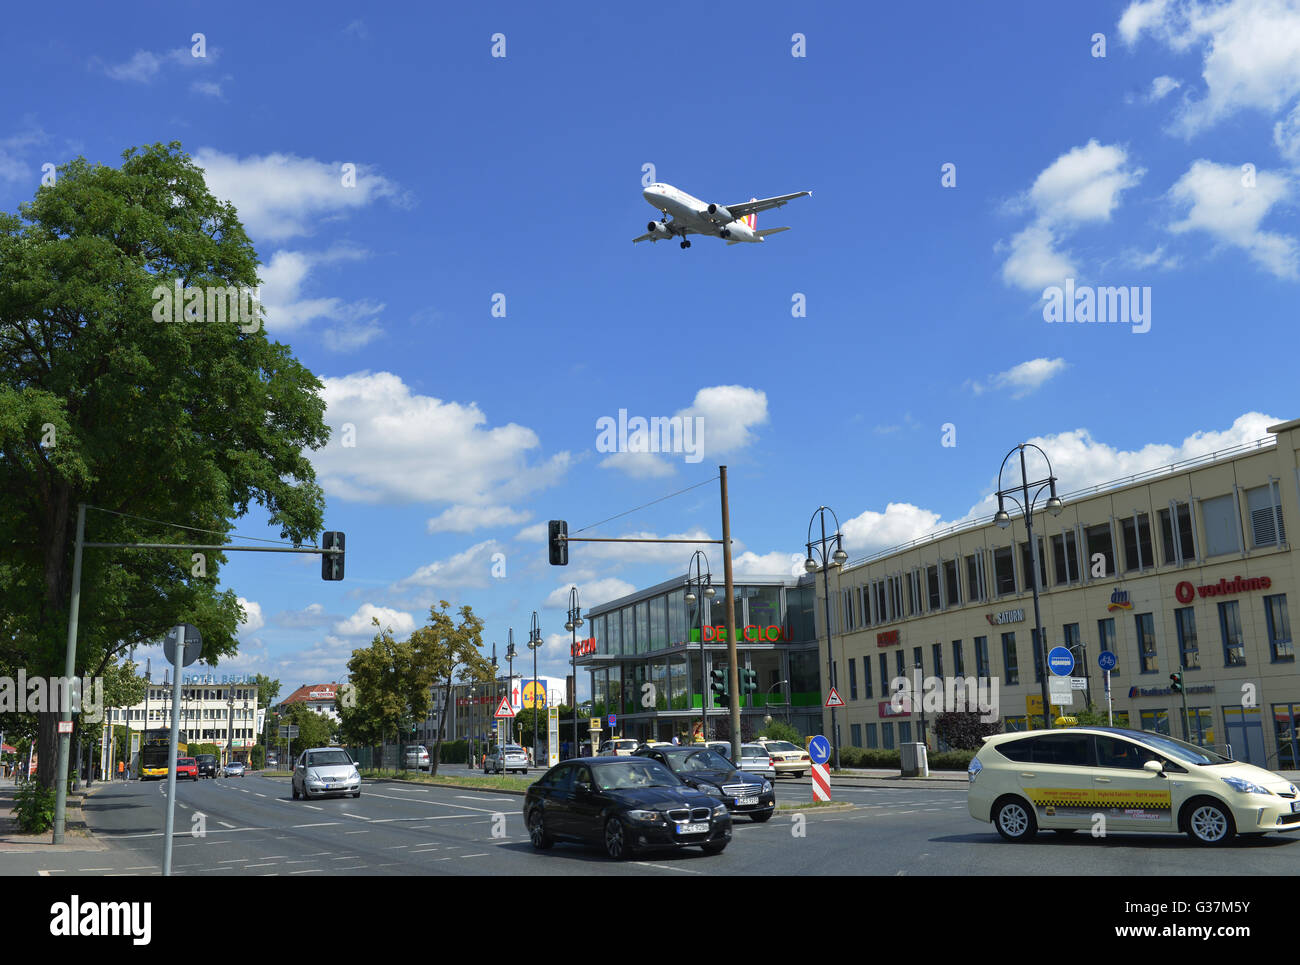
x,y
649,864
482,855
222,823
306,871
444,804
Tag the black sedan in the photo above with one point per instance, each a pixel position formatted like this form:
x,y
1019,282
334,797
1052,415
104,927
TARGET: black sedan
x,y
623,804
706,770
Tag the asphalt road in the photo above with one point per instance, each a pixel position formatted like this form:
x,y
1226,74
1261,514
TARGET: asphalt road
x,y
251,826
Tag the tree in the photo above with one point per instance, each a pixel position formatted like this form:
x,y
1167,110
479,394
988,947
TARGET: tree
x,y
448,649
267,690
779,730
314,730
102,404
391,683
963,730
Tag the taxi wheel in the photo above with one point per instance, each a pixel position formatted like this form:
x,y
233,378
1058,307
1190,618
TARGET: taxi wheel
x,y
1014,819
537,831
1208,823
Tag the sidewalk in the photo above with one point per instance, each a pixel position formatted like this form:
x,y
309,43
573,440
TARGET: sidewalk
x,y
77,838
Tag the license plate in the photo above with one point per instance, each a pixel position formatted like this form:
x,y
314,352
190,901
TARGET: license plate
x,y
1295,807
741,801
692,829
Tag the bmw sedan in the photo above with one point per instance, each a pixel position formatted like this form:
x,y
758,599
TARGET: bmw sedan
x,y
325,770
1123,780
705,770
623,804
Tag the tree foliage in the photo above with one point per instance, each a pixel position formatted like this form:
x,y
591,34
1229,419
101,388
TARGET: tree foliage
x,y
964,729
450,650
100,404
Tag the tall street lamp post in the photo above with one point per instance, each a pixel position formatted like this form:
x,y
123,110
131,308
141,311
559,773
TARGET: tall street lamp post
x,y
827,560
535,644
1003,520
703,581
510,683
572,625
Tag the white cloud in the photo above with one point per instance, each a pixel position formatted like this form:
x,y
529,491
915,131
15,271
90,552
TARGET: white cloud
x,y
669,553
309,617
1082,186
1150,259
415,448
207,88
471,567
1160,88
532,534
1022,379
1219,204
590,594
1250,51
12,167
466,519
1286,135
639,465
775,563
145,65
287,309
253,620
281,196
359,625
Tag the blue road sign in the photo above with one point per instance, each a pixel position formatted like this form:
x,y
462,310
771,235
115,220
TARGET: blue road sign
x,y
613,720
819,749
1061,661
1107,660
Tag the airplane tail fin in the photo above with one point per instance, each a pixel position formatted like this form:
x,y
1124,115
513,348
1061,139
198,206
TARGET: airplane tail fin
x,y
751,219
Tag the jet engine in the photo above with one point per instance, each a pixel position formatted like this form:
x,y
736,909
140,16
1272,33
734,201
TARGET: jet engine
x,y
719,213
659,229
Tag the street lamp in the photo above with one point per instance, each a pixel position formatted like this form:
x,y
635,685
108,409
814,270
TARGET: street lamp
x,y
535,644
787,699
1003,520
703,580
828,560
572,625
510,683
495,681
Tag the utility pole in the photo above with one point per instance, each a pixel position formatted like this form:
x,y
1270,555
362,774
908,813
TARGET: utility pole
x,y
729,615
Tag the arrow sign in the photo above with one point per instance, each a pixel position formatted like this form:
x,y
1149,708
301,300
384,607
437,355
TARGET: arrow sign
x,y
834,699
819,749
505,710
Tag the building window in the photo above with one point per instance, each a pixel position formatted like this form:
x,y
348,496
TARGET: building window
x,y
958,664
1220,525
938,659
866,677
1004,571
1011,676
912,594
916,659
887,731
1146,635
1156,721
884,675
898,661
982,657
1265,516
872,740
932,587
1279,628
1099,542
853,681
904,731
855,734
1234,646
1027,563
1185,621
1106,640
1065,554
1137,542
975,578
1072,641
1176,535
950,583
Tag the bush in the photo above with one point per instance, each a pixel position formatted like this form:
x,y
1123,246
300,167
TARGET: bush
x,y
779,730
950,760
34,808
869,757
257,757
453,752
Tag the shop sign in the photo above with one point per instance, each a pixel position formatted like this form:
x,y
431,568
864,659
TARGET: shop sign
x,y
583,647
752,633
1186,592
1119,601
887,638
1006,616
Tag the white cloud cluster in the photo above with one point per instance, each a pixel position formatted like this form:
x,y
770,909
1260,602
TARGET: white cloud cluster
x,y
287,309
471,567
253,620
591,593
359,625
1230,207
1021,379
144,65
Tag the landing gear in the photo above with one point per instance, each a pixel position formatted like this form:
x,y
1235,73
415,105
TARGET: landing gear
x,y
686,244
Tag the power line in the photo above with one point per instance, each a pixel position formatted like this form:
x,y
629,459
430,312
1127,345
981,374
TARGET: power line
x,y
651,503
194,529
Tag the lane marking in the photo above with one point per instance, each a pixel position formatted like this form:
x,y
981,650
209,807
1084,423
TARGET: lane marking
x,y
688,871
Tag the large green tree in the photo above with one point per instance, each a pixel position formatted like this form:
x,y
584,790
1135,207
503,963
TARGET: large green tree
x,y
450,650
390,685
101,404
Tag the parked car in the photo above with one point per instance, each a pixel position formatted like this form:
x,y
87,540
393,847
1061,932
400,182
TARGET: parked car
x,y
272,761
507,757
754,759
233,769
618,747
207,764
417,758
720,747
325,770
1139,781
787,758
187,767
710,772
623,804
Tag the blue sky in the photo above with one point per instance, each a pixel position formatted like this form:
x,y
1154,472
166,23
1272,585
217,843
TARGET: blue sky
x,y
1168,164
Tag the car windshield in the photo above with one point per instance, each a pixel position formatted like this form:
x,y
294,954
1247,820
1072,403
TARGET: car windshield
x,y
1179,751
633,774
753,752
699,761
782,746
186,760
327,759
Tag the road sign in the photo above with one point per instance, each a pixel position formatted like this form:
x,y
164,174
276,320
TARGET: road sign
x,y
1078,683
833,700
288,730
192,648
819,749
613,721
1060,692
821,782
1061,661
504,710
1107,660
65,727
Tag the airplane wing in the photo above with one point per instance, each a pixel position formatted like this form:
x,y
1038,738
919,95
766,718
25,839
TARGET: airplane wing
x,y
745,208
645,237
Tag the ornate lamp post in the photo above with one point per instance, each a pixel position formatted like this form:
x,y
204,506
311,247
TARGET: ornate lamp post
x,y
535,644
703,581
826,560
572,625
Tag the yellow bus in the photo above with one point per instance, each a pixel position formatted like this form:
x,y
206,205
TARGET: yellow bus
x,y
155,753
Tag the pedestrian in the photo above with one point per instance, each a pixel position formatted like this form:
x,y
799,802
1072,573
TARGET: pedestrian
x,y
676,740
121,769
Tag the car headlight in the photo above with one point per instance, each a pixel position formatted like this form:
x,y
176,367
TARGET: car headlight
x,y
974,770
710,789
720,810
767,785
1246,787
643,815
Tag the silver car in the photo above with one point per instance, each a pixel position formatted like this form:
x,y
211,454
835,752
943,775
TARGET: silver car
x,y
233,769
754,759
325,770
509,757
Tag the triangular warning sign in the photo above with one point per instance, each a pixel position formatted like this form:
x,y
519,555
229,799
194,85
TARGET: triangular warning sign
x,y
505,710
834,699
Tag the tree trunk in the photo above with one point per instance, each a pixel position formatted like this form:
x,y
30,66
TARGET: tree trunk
x,y
442,724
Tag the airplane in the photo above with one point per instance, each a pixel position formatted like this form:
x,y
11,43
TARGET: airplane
x,y
691,216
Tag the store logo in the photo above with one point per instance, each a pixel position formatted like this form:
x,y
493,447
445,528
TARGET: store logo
x,y
1119,601
583,647
1185,592
1006,616
887,638
1168,691
751,634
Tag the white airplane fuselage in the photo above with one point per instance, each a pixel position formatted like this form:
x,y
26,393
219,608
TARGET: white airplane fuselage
x,y
691,212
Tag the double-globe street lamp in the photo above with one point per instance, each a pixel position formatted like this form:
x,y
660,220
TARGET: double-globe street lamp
x,y
572,625
510,684
1003,520
826,560
703,581
535,644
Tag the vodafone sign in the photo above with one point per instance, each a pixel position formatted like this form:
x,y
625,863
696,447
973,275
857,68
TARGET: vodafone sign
x,y
1185,592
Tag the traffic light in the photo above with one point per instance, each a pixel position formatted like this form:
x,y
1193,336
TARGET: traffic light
x,y
721,692
558,534
331,564
1176,682
748,682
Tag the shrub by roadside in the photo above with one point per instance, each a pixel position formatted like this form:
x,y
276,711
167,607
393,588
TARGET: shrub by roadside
x,y
34,808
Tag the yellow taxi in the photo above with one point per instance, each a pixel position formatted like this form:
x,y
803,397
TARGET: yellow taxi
x,y
787,758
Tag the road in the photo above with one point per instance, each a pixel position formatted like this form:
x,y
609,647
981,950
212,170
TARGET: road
x,y
251,826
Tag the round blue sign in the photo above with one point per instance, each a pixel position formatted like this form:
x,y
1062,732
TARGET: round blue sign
x,y
819,749
1061,661
1107,660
